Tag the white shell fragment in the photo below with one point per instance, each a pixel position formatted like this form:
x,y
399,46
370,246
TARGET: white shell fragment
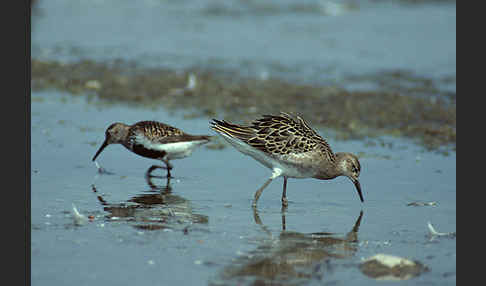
x,y
421,204
190,86
434,233
191,82
390,267
79,219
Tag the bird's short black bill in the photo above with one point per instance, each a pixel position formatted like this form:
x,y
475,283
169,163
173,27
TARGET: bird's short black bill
x,y
99,150
358,188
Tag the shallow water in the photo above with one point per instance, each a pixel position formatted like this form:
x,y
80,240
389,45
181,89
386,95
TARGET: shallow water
x,y
317,41
200,228
212,230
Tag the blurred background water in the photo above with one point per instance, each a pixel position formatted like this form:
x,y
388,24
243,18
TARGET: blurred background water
x,y
307,40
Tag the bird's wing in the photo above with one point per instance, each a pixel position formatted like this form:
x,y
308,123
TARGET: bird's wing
x,y
275,134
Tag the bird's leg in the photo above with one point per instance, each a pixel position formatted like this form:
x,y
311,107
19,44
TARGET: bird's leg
x,y
151,169
154,187
258,221
169,167
148,178
285,202
258,193
256,217
283,219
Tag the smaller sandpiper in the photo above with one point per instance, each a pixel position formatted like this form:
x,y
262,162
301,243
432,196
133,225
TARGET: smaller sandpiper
x,y
290,148
152,139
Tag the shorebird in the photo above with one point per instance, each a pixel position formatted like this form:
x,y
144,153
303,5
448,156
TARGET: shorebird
x,y
153,140
290,148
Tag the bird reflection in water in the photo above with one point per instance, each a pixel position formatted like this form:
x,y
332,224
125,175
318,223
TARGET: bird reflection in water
x,y
294,258
155,209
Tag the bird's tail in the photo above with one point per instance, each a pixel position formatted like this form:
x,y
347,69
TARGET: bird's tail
x,y
232,130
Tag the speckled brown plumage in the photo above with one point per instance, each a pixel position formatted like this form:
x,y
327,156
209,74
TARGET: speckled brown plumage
x,y
290,148
155,131
152,139
278,135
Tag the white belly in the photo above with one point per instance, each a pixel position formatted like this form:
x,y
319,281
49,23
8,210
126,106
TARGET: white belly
x,y
286,169
179,150
176,150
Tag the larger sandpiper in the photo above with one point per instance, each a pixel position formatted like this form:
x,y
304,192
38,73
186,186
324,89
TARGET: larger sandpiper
x,y
152,139
290,148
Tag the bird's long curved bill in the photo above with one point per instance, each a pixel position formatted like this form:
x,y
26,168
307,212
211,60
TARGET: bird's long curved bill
x,y
99,150
358,188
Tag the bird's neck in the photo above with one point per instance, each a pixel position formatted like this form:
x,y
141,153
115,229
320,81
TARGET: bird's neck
x,y
333,170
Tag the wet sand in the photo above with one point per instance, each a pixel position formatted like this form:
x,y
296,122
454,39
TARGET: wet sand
x,y
201,227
